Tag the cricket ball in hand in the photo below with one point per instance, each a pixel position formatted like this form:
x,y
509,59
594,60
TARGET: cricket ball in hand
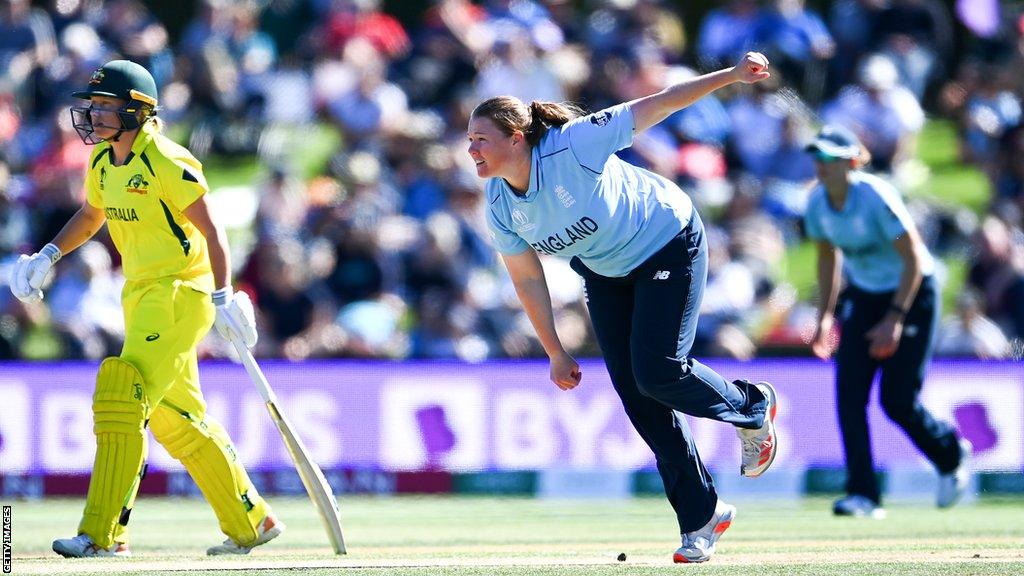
x,y
759,63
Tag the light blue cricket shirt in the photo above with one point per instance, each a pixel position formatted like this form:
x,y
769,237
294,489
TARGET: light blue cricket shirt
x,y
872,218
584,201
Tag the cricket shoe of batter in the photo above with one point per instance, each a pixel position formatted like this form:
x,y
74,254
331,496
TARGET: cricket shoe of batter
x,y
269,529
700,545
82,546
760,444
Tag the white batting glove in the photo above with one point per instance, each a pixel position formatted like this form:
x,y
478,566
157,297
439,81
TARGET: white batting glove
x,y
236,319
30,272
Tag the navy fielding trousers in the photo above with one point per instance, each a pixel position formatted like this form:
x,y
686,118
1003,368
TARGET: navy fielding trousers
x,y
900,384
645,324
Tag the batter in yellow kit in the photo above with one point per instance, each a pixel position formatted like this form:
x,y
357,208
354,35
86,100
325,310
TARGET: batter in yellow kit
x,y
152,194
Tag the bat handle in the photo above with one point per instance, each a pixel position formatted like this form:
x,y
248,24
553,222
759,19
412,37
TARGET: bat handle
x,y
255,374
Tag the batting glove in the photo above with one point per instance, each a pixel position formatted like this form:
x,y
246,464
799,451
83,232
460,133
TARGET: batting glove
x,y
236,319
30,272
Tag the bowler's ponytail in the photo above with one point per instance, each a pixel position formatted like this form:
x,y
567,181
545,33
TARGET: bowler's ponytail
x,y
510,114
544,115
862,159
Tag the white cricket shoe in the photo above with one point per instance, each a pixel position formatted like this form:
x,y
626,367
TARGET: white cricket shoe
x,y
700,545
859,507
760,444
82,546
952,486
268,529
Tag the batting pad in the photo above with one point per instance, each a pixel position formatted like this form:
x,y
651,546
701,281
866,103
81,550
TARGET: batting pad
x,y
204,448
120,410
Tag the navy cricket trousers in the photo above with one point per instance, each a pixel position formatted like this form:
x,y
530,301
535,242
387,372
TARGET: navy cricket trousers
x,y
900,385
645,324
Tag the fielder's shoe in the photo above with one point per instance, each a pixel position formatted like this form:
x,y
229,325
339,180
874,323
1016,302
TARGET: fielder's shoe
x,y
269,529
82,546
700,545
952,486
760,444
859,507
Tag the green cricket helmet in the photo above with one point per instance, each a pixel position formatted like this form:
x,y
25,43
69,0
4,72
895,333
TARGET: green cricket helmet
x,y
121,79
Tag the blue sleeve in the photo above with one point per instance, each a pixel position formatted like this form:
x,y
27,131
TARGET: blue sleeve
x,y
503,238
890,214
595,137
811,225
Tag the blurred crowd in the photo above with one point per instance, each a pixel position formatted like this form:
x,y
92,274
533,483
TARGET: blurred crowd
x,y
383,251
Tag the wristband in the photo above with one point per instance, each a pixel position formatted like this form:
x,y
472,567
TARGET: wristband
x,y
221,296
895,308
51,252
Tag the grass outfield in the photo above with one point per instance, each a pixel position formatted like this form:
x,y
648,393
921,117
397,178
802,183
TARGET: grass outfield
x,y
498,536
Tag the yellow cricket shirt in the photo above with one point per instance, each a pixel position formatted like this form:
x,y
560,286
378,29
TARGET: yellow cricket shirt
x,y
143,200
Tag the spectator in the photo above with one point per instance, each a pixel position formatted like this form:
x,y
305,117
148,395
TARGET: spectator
x,y
970,333
58,177
374,107
917,36
287,310
27,44
757,117
730,295
728,32
282,209
788,179
86,307
15,227
799,45
997,273
851,23
1009,176
881,112
514,66
991,110
140,37
289,23
347,20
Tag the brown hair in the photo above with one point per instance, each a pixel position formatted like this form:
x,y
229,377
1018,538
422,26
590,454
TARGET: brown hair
x,y
510,114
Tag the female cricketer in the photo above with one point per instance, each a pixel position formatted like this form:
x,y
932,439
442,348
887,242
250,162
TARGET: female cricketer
x,y
888,315
151,193
555,186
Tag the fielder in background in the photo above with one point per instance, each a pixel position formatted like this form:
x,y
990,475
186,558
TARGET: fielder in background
x,y
555,186
888,315
152,194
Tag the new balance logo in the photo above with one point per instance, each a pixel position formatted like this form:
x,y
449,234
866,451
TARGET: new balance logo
x,y
661,275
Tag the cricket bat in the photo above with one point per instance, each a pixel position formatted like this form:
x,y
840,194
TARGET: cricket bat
x,y
312,477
